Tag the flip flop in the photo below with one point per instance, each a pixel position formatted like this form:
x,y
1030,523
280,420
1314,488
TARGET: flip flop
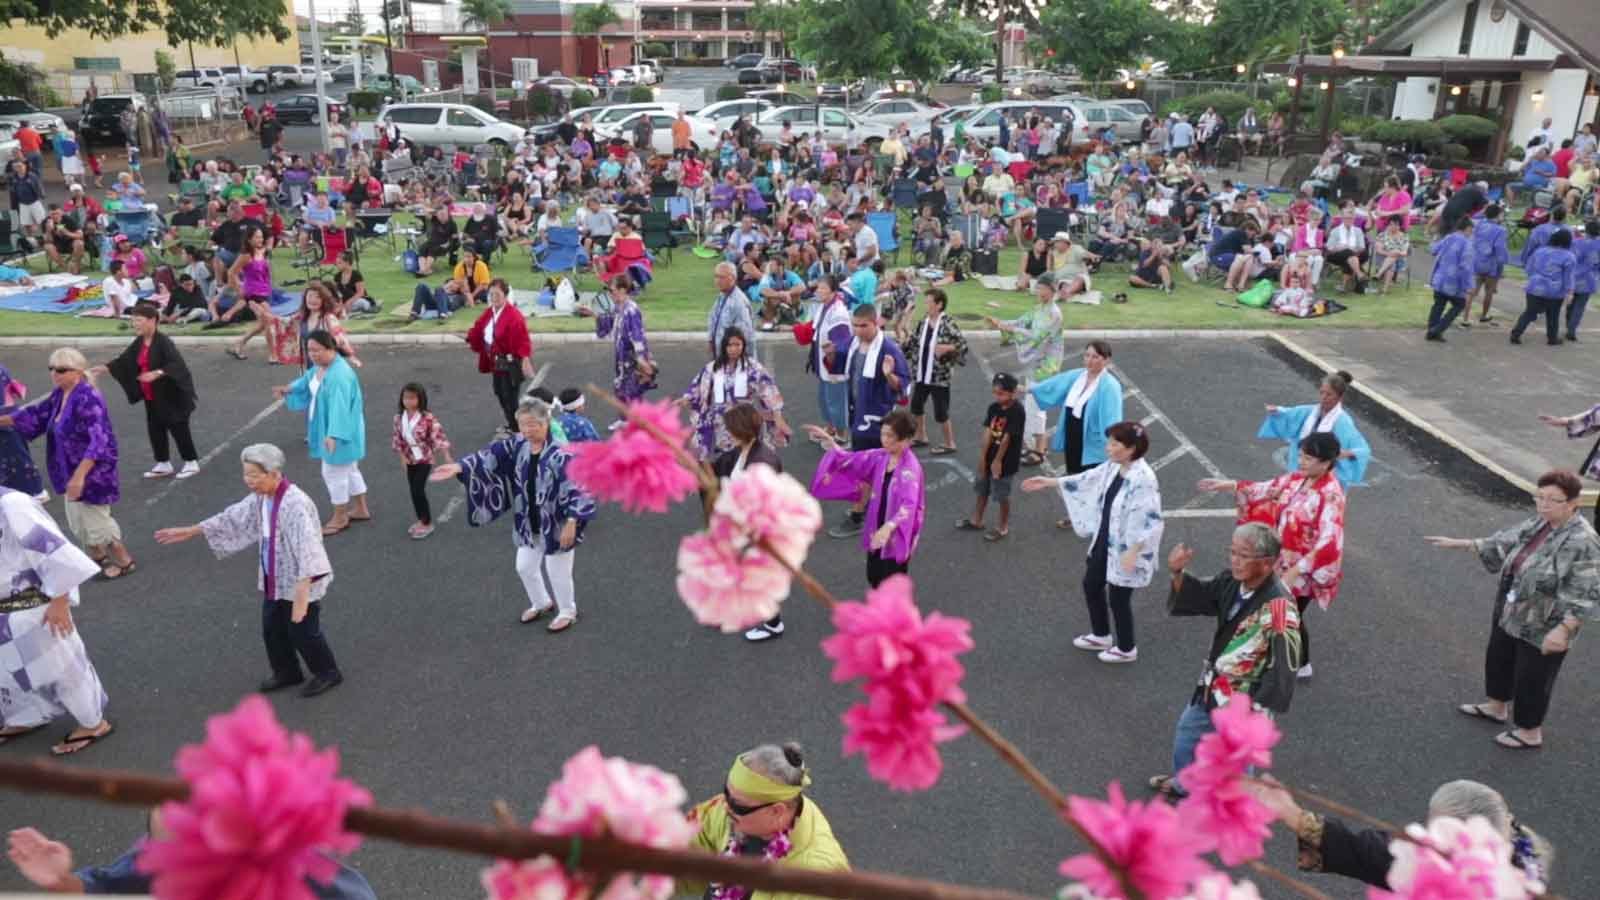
x,y
995,536
1064,524
237,354
942,450
17,734
919,443
1510,741
1163,784
329,530
122,571
81,742
1476,711
965,524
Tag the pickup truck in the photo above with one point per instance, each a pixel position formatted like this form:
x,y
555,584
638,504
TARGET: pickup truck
x,y
246,78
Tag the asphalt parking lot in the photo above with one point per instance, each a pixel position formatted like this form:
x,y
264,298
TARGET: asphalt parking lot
x,y
449,704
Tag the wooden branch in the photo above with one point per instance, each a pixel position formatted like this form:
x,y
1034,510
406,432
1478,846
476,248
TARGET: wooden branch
x,y
601,857
1287,880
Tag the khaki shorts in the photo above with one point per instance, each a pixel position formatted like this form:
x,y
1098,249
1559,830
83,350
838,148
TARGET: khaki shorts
x,y
92,525
32,214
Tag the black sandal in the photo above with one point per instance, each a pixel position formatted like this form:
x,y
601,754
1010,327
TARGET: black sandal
x,y
123,571
1476,711
81,742
942,450
1510,741
965,524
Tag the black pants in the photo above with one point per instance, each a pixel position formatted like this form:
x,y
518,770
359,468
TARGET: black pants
x,y
506,384
417,478
1550,308
1438,319
285,639
881,567
158,437
1096,590
1304,603
1515,671
939,393
1073,457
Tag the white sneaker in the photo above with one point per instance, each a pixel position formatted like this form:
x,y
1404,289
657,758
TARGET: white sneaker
x,y
764,632
1113,655
190,469
1093,642
159,470
1304,672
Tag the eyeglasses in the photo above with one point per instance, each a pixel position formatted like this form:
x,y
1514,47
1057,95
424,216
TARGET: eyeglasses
x,y
1234,554
740,809
1546,500
61,370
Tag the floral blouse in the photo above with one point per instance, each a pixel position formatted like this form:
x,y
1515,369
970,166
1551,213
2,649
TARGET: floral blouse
x,y
1309,519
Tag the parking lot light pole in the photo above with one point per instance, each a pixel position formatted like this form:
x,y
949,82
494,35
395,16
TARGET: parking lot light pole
x,y
316,66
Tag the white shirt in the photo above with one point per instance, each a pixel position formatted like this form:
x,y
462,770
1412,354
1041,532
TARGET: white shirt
x,y
927,344
1543,134
1082,390
1347,237
1320,421
866,244
314,386
122,290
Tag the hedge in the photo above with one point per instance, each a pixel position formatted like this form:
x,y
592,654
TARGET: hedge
x,y
641,94
991,93
1409,132
1462,129
730,92
581,98
656,50
364,101
1229,104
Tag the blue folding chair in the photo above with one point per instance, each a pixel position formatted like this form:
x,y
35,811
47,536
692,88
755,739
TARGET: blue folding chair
x,y
1080,190
903,193
886,227
562,251
136,224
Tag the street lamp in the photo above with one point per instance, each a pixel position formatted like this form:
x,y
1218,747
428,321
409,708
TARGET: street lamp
x,y
1129,84
1292,81
1241,68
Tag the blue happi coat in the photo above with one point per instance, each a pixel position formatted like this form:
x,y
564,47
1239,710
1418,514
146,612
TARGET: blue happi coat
x,y
1286,425
502,476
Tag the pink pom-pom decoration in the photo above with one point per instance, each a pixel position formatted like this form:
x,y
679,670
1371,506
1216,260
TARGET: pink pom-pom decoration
x,y
264,813
632,467
1219,806
1147,841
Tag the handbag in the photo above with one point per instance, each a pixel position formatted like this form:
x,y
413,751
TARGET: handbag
x,y
985,262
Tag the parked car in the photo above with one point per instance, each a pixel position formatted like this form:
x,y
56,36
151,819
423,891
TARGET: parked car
x,y
611,115
298,108
837,126
102,122
984,123
644,74
202,78
893,111
559,84
744,61
723,112
9,145
702,132
946,118
450,123
839,92
247,78
14,111
392,87
775,97
1096,116
657,67
1139,108
343,72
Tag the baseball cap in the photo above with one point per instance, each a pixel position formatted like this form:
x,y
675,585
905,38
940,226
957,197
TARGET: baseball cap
x,y
1005,381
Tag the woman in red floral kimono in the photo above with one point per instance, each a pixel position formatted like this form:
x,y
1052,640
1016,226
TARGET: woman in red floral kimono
x,y
1307,509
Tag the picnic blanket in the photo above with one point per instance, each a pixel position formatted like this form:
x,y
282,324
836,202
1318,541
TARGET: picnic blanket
x,y
1325,306
999,282
55,293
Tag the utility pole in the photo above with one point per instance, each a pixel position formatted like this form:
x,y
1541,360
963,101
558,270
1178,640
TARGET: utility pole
x,y
316,65
388,39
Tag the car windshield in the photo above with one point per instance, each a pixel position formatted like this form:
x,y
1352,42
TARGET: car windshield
x,y
109,105
14,107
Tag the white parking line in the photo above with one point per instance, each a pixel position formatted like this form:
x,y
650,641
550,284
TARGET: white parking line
x,y
1183,440
1186,513
450,509
214,452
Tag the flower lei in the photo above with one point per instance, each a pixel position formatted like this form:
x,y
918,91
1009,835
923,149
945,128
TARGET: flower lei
x,y
777,848
1523,853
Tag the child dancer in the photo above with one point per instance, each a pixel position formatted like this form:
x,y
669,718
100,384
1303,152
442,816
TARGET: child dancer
x,y
418,438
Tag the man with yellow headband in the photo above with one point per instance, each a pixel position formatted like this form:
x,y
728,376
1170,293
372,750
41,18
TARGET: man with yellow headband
x,y
762,813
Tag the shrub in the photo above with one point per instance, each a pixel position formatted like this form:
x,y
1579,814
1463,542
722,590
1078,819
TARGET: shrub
x,y
1462,129
542,102
1357,126
1455,152
657,50
1229,104
1516,152
641,94
1407,132
1283,99
991,93
730,92
581,98
364,101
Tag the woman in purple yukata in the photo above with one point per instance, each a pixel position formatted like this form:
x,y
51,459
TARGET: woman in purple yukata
x,y
80,456
45,671
895,510
733,378
17,470
635,371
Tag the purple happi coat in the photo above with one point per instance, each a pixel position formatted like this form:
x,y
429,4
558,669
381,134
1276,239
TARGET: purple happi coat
x,y
78,430
625,327
840,475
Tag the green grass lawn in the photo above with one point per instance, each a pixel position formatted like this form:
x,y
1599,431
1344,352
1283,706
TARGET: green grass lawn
x,y
682,292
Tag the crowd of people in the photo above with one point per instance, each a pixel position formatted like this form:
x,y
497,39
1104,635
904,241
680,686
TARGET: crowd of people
x,y
798,230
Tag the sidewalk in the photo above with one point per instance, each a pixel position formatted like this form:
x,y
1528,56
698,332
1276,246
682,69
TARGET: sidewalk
x,y
1478,392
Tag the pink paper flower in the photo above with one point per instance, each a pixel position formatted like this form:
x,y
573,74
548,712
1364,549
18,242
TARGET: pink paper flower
x,y
632,467
1233,822
1147,841
909,663
899,739
599,795
1455,860
1218,886
767,505
727,583
264,810
543,878
1242,738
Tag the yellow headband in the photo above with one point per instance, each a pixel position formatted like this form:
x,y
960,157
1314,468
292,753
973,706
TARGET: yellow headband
x,y
761,789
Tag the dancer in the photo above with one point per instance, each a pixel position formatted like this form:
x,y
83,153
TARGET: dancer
x,y
50,675
1293,424
828,333
999,458
1117,505
634,370
17,470
1452,279
732,378
891,476
319,311
250,276
1040,347
937,345
1306,508
152,371
418,439
1489,258
744,424
571,421
878,379
527,474
1091,402
336,427
505,352
280,521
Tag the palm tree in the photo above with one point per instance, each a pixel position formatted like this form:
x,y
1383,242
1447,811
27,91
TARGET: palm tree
x,y
484,14
594,18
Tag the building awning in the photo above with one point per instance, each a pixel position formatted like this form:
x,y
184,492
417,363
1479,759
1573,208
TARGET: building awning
x,y
1414,66
465,40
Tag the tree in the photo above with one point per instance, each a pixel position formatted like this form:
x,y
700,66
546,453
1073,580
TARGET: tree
x,y
594,19
779,18
876,38
1001,14
485,14
1098,37
180,20
166,71
354,22
1249,31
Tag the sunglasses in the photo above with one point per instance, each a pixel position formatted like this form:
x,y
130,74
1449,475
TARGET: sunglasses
x,y
61,370
740,809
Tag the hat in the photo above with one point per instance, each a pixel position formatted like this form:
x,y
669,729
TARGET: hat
x,y
76,187
1005,381
801,204
1061,236
121,239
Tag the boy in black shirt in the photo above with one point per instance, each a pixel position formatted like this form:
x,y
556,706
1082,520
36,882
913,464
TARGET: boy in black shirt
x,y
187,305
1000,457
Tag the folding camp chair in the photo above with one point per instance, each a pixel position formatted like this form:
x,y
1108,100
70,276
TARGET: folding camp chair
x,y
903,193
374,225
333,242
562,251
12,244
968,227
886,226
657,230
136,224
1048,222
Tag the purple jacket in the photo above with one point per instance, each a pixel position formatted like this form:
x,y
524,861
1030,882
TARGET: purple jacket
x,y
840,475
82,431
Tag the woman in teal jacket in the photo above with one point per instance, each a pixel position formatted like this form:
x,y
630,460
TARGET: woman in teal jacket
x,y
1090,399
336,428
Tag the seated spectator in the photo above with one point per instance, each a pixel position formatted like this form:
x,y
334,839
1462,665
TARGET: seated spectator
x,y
1155,266
1323,176
1116,238
927,237
131,257
1393,252
186,304
1069,266
517,218
118,290
482,231
317,216
442,238
1347,248
64,241
1034,262
779,293
1537,174
468,286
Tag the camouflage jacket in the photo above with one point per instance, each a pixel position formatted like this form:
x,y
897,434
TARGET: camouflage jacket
x,y
1560,578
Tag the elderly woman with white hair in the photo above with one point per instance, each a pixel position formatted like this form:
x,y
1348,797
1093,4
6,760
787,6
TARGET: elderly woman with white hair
x,y
763,813
1328,845
527,474
280,521
80,457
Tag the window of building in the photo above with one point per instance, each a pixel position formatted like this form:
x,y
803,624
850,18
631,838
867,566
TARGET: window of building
x,y
707,21
1468,24
737,20
658,19
1519,47
98,63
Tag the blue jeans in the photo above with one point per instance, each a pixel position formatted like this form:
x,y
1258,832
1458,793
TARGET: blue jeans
x,y
833,400
436,299
1193,724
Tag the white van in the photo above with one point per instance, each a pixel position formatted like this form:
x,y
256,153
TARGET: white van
x,y
450,123
984,123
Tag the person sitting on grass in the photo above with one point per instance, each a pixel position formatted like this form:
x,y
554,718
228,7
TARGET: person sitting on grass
x,y
1393,251
1155,266
468,286
779,292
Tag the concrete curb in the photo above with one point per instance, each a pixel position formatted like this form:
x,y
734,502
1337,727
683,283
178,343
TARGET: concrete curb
x,y
1511,482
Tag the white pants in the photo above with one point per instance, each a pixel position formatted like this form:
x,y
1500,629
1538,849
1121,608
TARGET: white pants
x,y
533,564
1314,262
344,481
1036,422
